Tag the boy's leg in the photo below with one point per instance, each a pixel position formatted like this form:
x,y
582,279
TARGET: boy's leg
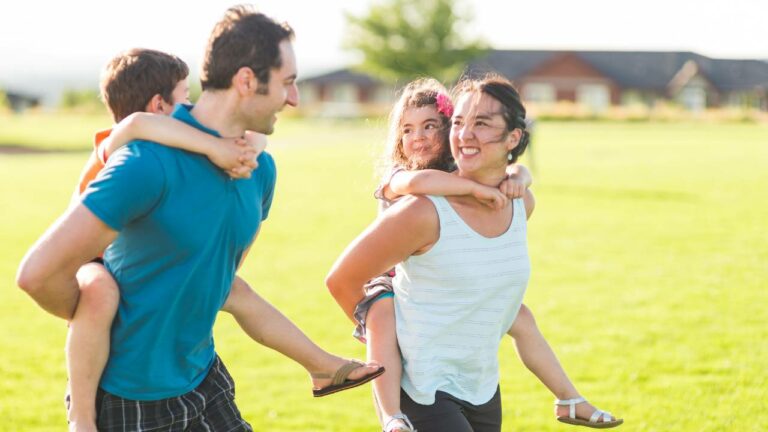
x,y
383,349
267,326
87,346
538,357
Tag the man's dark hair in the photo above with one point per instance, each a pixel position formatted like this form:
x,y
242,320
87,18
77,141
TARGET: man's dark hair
x,y
243,38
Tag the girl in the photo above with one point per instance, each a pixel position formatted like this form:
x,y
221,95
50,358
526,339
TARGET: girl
x,y
420,163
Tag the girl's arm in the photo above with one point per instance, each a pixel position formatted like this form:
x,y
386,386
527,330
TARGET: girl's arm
x,y
229,154
436,182
518,180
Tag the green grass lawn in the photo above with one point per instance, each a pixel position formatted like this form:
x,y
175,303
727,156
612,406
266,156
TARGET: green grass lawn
x,y
649,253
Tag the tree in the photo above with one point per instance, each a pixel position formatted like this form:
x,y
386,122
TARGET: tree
x,y
404,39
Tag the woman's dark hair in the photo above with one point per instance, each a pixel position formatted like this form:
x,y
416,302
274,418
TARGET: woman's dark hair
x,y
513,111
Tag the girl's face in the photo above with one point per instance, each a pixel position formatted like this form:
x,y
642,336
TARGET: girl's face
x,y
479,140
421,135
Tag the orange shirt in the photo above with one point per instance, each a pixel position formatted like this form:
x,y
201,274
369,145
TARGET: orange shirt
x,y
95,163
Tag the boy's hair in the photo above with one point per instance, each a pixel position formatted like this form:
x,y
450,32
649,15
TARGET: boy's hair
x,y
132,78
243,38
513,111
417,94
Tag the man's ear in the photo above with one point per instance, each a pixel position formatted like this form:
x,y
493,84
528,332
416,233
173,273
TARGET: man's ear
x,y
245,81
157,105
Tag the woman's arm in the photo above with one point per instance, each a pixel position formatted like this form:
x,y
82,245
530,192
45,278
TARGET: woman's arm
x,y
436,182
409,227
530,203
227,153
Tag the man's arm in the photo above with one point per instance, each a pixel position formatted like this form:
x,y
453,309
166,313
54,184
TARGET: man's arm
x,y
237,156
436,182
47,272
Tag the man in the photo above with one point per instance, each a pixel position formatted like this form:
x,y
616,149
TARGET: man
x,y
178,229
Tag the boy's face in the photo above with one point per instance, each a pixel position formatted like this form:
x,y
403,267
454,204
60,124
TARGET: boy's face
x,y
180,93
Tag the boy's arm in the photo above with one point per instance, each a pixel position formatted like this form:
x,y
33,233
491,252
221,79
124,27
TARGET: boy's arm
x,y
518,180
436,182
229,154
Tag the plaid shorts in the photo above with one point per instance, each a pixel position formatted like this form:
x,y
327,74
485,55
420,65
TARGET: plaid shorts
x,y
374,290
209,407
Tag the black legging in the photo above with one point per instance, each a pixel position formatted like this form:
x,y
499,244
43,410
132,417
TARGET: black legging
x,y
449,414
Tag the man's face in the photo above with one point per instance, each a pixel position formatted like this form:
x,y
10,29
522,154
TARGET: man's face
x,y
261,109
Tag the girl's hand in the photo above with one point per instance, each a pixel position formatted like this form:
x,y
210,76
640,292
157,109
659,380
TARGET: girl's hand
x,y
490,196
513,187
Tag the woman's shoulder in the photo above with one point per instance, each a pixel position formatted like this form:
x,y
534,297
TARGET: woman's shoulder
x,y
414,208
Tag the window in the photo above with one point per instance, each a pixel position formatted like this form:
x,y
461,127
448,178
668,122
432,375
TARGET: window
x,y
693,98
539,92
344,93
596,97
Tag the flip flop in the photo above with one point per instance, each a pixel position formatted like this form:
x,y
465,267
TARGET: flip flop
x,y
599,420
339,381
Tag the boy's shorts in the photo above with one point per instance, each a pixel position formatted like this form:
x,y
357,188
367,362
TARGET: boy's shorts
x,y
376,289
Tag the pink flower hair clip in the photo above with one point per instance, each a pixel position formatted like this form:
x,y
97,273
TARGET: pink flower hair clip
x,y
444,105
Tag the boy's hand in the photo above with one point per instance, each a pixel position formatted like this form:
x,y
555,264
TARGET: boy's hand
x,y
231,154
256,143
490,196
513,187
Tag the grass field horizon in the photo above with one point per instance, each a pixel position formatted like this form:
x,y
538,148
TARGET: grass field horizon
x,y
649,254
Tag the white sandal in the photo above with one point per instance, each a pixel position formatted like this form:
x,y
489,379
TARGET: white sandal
x,y
599,420
392,424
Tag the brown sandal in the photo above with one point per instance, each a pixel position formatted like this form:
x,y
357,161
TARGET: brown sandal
x,y
339,380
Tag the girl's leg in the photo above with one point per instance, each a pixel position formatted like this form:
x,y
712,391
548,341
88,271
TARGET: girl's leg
x,y
538,357
267,326
87,347
383,349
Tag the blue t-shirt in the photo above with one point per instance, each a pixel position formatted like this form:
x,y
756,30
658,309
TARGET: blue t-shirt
x,y
183,228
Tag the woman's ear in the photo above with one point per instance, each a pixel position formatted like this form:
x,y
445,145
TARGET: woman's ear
x,y
513,138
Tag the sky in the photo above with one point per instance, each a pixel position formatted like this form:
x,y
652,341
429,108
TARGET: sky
x,y
48,45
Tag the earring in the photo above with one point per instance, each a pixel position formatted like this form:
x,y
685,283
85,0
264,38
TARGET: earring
x,y
509,156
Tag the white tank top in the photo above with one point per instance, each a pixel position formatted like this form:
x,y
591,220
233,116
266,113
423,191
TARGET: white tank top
x,y
454,303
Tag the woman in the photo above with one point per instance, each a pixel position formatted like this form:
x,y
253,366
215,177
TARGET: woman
x,y
463,269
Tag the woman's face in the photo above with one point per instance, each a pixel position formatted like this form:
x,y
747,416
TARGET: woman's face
x,y
479,138
421,135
